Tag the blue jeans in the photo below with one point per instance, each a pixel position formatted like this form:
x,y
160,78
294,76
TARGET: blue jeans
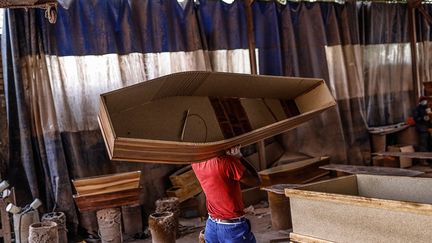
x,y
228,233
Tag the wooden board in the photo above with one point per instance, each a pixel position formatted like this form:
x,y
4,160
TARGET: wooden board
x,y
371,170
261,107
107,200
295,173
414,155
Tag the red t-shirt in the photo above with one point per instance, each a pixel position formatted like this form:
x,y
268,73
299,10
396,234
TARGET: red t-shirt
x,y
219,178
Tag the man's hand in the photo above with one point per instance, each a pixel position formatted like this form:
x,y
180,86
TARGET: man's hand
x,y
234,151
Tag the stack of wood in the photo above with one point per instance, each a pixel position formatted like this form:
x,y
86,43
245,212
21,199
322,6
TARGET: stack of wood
x,y
185,184
108,191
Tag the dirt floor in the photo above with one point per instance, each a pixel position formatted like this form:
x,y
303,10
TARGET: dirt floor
x,y
259,215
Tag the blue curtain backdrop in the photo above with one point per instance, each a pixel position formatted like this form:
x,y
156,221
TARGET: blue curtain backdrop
x,y
55,73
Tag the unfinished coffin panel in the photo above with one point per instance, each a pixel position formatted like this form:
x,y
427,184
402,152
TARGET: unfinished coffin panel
x,y
193,116
364,208
107,191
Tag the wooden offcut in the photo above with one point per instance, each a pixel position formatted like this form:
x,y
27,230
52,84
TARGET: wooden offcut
x,y
364,208
299,172
146,122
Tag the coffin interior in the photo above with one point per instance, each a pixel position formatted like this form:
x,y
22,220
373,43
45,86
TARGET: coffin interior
x,y
157,109
399,188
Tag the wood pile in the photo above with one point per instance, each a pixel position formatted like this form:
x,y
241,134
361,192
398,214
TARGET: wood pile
x,y
185,184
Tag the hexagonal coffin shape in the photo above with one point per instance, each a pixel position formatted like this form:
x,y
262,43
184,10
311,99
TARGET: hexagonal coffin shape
x,y
192,116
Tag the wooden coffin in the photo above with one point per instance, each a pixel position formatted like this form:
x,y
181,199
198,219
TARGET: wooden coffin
x,y
364,208
299,172
99,192
193,116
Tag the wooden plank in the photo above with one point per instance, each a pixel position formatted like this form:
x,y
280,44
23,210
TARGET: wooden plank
x,y
298,238
371,170
388,129
414,155
295,173
262,155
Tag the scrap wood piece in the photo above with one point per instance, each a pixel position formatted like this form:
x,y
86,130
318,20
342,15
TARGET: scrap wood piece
x,y
371,170
298,238
413,155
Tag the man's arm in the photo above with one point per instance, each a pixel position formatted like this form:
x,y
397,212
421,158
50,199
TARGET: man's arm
x,y
250,176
